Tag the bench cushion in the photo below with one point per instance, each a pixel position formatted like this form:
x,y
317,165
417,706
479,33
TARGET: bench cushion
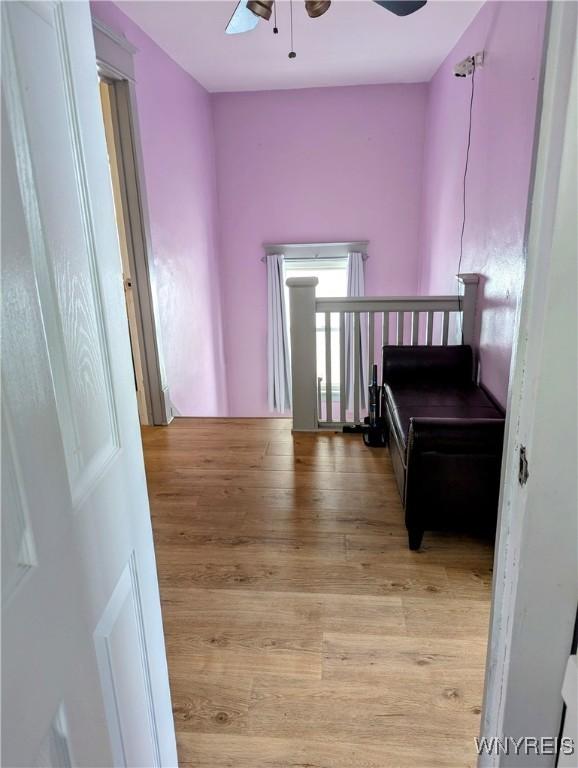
x,y
408,401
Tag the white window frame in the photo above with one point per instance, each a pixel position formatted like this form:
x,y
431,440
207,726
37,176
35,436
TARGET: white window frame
x,y
309,261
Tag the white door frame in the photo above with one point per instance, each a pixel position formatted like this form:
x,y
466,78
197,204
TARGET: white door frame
x,y
114,55
535,585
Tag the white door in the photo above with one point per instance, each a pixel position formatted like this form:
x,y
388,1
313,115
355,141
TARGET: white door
x,y
84,676
536,567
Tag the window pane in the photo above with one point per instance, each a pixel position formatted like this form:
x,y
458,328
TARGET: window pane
x,y
332,284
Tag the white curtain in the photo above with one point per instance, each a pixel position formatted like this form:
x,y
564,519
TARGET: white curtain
x,y
355,287
278,361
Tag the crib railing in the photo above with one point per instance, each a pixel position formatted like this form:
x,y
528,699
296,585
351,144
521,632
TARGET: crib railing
x,y
320,402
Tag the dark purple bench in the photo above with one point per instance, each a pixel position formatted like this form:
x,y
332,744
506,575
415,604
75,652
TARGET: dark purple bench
x,y
445,439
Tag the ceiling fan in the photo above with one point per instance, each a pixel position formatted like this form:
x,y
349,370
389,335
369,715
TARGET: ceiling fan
x,y
247,13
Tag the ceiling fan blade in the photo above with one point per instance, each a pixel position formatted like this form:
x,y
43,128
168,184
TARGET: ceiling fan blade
x,y
242,20
401,7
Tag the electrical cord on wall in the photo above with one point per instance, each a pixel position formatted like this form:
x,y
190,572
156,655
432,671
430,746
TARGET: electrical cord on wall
x,y
464,193
292,53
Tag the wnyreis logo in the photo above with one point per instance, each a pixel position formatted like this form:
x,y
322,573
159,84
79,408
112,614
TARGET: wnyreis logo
x,y
526,745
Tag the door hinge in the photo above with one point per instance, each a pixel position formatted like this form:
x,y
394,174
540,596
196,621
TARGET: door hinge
x,y
523,472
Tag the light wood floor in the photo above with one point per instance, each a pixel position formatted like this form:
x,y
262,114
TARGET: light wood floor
x,y
301,632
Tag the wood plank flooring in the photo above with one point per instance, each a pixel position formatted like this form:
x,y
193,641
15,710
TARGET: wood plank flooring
x,y
301,632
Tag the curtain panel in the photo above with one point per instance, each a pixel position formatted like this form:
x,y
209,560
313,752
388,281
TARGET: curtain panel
x,y
278,357
355,287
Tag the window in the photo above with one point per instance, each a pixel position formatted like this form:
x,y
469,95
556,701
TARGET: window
x,y
332,275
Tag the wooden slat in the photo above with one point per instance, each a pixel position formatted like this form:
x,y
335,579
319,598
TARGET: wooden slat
x,y
385,329
371,342
445,328
430,324
328,392
342,374
414,328
399,329
356,364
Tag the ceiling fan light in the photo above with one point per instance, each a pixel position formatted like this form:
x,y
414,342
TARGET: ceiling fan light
x,y
261,8
316,8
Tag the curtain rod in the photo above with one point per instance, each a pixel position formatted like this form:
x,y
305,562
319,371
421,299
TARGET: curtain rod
x,y
317,257
281,248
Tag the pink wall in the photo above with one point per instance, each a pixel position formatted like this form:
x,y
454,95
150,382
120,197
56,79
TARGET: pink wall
x,y
506,90
312,165
228,172
176,126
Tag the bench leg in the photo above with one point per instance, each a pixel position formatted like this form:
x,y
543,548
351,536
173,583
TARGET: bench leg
x,y
415,536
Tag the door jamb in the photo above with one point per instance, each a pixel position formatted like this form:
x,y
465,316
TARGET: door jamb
x,y
114,56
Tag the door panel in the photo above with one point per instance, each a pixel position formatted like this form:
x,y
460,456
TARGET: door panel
x,y
63,247
81,614
17,540
123,667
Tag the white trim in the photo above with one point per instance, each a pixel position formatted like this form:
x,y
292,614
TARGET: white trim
x,y
114,55
114,36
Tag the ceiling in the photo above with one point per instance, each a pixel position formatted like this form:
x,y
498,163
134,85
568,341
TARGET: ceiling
x,y
355,43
